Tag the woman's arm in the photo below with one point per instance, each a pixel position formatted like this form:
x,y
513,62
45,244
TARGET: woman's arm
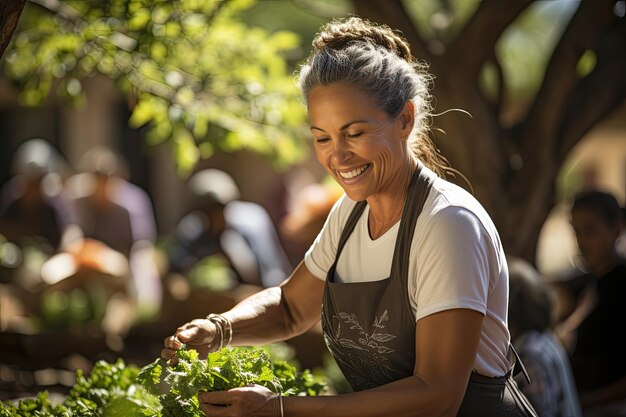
x,y
278,313
273,314
446,345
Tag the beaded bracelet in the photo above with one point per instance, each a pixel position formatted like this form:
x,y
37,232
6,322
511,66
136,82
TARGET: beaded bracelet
x,y
224,329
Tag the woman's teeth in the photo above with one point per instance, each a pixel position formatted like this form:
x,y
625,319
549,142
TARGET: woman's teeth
x,y
354,173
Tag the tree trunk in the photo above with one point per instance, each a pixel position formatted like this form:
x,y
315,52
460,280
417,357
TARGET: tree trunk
x,y
10,12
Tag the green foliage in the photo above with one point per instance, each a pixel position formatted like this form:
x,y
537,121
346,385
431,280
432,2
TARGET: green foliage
x,y
160,390
39,406
177,386
586,63
197,76
60,309
109,391
213,273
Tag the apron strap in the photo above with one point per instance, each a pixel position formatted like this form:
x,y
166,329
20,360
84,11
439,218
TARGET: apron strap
x,y
517,365
418,191
349,226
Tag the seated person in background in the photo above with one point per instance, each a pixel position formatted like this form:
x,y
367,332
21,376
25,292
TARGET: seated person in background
x,y
598,324
552,391
118,215
32,210
221,224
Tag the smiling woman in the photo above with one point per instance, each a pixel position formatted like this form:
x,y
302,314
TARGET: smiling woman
x,y
363,154
407,276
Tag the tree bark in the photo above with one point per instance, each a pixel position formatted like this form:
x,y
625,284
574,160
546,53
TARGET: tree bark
x,y
10,12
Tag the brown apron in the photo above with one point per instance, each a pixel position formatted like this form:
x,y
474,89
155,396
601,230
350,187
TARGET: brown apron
x,y
369,327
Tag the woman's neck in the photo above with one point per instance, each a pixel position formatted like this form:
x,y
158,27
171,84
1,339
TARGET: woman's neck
x,y
386,206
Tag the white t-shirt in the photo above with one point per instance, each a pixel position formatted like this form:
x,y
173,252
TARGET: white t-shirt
x,y
457,261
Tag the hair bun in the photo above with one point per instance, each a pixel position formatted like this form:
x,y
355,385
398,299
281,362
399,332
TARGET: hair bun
x,y
339,33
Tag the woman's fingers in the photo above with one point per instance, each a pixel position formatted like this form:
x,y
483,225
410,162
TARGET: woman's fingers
x,y
171,345
215,398
167,353
199,331
197,335
216,410
244,401
215,403
172,342
189,335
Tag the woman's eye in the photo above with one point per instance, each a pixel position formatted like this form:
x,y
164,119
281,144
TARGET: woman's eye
x,y
321,140
354,135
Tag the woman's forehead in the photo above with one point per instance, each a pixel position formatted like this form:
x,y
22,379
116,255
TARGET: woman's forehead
x,y
344,100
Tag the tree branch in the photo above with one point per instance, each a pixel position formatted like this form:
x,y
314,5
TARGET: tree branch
x,y
394,14
10,12
541,127
477,40
599,92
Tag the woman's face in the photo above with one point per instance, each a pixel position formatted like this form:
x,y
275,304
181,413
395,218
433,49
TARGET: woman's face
x,y
596,238
356,141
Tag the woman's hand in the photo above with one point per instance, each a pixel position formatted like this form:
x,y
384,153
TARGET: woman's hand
x,y
253,401
198,334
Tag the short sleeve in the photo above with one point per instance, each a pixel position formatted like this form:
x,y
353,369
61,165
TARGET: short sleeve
x,y
321,255
452,263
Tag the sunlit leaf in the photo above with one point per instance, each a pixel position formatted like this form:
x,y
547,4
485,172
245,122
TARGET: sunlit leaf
x,y
139,20
185,150
142,114
586,63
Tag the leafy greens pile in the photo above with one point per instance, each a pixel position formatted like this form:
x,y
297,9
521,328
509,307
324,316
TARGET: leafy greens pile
x,y
110,391
161,390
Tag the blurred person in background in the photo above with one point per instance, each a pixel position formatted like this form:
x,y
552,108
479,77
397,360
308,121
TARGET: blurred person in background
x,y
119,230
597,327
31,204
33,212
309,207
552,391
221,224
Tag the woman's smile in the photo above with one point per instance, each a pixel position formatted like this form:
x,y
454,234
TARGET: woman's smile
x,y
352,175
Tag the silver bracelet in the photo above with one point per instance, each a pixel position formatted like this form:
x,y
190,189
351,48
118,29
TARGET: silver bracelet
x,y
280,401
224,329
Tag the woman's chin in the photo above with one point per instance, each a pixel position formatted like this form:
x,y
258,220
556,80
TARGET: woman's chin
x,y
354,195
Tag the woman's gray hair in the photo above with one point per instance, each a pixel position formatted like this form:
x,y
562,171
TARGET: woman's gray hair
x,y
391,80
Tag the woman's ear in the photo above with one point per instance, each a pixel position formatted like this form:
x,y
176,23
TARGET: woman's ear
x,y
407,118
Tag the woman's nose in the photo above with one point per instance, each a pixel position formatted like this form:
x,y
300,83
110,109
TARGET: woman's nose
x,y
341,153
